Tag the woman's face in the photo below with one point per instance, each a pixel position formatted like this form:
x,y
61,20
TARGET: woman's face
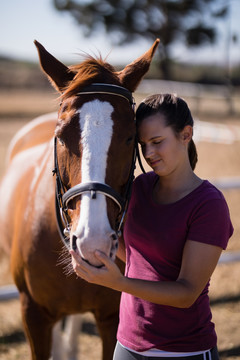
x,y
161,148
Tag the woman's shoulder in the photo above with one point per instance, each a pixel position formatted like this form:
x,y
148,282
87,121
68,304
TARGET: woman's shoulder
x,y
209,201
209,191
209,218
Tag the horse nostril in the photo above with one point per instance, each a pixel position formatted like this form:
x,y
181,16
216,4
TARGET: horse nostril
x,y
114,236
74,242
114,245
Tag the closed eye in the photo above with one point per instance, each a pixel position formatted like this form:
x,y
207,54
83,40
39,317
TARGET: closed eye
x,y
155,142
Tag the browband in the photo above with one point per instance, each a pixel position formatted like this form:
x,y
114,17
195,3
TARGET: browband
x,y
97,88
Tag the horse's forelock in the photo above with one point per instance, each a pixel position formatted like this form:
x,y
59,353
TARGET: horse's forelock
x,y
89,71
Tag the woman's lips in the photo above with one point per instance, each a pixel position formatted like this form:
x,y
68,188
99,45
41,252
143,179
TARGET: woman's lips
x,y
154,162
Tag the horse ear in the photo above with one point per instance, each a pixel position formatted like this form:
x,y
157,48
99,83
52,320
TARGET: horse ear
x,y
58,73
132,74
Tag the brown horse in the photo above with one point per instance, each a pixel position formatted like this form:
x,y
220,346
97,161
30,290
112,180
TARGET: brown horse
x,y
93,144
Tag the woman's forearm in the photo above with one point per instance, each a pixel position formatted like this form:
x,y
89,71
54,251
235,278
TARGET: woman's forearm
x,y
172,293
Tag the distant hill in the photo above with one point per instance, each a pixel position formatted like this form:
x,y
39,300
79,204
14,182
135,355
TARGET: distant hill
x,y
20,74
23,74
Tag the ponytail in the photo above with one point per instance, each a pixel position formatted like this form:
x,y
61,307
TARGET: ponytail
x,y
192,154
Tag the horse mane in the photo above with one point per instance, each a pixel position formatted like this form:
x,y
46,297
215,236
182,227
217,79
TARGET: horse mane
x,y
90,70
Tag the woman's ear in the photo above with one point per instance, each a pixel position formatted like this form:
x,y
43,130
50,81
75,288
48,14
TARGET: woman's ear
x,y
186,134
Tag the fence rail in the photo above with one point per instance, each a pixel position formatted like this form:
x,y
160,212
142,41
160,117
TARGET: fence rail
x,y
192,90
184,88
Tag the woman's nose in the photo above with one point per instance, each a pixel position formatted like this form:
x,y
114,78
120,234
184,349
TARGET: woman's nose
x,y
148,151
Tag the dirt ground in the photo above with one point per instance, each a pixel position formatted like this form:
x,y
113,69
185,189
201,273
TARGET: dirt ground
x,y
215,160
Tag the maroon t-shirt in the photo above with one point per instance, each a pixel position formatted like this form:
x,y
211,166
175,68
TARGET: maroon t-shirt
x,y
155,236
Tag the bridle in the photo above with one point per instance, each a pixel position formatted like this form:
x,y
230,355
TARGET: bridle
x,y
63,196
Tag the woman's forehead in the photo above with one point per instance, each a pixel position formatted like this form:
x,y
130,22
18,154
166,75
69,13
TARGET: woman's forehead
x,y
152,121
152,127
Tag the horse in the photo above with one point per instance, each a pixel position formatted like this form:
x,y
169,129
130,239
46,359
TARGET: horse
x,y
66,186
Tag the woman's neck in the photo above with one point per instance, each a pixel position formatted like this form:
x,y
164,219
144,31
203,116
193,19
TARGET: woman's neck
x,y
172,188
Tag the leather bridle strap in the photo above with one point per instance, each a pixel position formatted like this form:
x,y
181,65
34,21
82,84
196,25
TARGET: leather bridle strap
x,y
93,188
98,88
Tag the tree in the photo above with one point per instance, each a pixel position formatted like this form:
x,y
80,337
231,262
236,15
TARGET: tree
x,y
188,21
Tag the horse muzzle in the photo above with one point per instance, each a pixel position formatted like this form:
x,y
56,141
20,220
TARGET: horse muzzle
x,y
86,247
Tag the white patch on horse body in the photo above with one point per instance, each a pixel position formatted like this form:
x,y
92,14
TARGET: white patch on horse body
x,y
40,167
96,127
23,134
35,204
18,167
40,188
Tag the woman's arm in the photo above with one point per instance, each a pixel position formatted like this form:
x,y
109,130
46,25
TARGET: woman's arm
x,y
198,263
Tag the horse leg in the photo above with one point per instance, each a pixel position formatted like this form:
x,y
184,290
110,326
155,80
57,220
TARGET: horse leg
x,y
107,328
38,326
71,331
58,347
65,341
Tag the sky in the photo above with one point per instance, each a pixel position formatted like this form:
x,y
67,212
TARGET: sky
x,y
22,21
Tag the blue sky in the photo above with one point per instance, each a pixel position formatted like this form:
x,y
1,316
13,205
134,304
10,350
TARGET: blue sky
x,y
22,21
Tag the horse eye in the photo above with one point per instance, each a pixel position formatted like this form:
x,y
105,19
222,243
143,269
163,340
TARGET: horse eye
x,y
61,141
129,140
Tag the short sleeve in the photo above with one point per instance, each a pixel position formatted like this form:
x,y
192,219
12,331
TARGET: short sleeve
x,y
210,223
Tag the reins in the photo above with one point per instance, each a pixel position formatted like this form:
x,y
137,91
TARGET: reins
x,y
63,197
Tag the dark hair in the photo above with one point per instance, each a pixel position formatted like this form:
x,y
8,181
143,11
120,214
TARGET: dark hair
x,y
177,116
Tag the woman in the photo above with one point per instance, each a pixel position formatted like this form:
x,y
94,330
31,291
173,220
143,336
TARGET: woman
x,y
176,227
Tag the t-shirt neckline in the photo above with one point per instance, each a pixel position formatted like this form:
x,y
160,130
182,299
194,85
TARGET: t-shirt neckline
x,y
175,202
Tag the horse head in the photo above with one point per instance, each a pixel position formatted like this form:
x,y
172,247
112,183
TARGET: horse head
x,y
94,148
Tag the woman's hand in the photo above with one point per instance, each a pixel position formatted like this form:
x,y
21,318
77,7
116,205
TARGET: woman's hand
x,y
109,275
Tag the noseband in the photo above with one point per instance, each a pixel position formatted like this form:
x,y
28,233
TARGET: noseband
x,y
63,197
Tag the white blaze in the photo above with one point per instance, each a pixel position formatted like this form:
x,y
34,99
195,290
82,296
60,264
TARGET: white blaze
x,y
96,126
